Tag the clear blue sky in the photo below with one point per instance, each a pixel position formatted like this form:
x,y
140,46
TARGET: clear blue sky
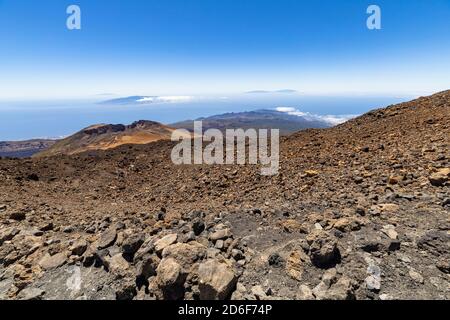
x,y
221,46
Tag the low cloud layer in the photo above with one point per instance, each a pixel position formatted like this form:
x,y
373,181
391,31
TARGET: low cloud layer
x,y
331,119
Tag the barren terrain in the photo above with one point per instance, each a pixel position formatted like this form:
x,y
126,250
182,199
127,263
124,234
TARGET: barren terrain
x,y
358,211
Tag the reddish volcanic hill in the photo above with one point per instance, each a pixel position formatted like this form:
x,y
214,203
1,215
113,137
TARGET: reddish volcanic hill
x,y
108,136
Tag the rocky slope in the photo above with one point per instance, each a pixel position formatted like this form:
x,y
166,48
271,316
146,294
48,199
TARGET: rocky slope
x,y
109,136
258,119
358,211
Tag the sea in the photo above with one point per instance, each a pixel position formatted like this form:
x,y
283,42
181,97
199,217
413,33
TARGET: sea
x,y
22,120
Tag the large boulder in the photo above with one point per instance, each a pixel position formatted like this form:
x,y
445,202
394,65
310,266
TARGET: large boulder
x,y
185,253
170,279
132,244
323,251
164,242
216,280
107,239
343,289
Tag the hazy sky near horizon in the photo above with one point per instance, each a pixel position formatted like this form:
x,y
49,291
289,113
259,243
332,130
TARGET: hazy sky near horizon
x,y
176,47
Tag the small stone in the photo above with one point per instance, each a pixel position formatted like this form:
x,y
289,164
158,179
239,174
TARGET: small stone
x,y
358,180
219,244
329,276
291,225
220,235
47,227
446,202
394,179
31,294
275,260
341,290
33,177
68,229
241,262
440,177
198,226
49,262
320,290
394,245
237,254
347,224
18,215
259,293
8,234
389,207
107,239
160,216
389,230
294,264
311,173
304,293
417,277
164,242
190,236
78,247
443,265
118,265
317,226
240,292
373,283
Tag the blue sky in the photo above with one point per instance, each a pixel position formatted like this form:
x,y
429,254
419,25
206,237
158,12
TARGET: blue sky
x,y
176,47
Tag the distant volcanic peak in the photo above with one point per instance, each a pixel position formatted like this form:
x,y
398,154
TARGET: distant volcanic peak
x,y
104,128
258,119
108,136
144,124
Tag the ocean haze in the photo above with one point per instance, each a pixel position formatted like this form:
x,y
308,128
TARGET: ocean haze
x,y
27,120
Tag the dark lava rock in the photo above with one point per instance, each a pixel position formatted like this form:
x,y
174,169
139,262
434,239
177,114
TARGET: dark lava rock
x,y
324,252
18,215
198,226
132,244
276,260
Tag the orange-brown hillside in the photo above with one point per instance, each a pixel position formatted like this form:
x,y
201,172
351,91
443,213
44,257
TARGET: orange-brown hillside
x,y
108,136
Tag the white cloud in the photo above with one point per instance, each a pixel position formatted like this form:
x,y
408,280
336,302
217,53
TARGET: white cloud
x,y
166,99
331,119
286,109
